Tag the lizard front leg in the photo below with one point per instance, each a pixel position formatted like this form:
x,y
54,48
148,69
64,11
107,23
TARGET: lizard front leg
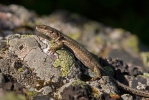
x,y
55,46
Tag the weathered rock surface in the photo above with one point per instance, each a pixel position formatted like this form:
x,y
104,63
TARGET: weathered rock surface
x,y
29,69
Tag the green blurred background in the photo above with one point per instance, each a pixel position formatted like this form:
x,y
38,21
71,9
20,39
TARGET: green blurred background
x,y
132,15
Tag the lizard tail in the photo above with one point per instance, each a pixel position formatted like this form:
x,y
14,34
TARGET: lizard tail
x,y
129,89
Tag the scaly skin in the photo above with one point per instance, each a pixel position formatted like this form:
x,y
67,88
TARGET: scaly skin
x,y
83,55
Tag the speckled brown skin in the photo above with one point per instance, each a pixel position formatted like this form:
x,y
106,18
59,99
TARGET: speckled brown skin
x,y
83,55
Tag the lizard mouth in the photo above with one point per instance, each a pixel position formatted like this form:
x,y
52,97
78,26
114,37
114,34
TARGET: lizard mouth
x,y
44,29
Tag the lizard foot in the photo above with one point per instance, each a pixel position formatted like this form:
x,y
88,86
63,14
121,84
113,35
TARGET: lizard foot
x,y
97,77
52,50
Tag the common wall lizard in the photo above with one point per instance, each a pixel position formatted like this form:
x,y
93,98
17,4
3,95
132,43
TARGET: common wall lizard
x,y
83,55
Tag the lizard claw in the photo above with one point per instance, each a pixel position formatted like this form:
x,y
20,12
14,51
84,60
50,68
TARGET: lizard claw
x,y
52,50
97,77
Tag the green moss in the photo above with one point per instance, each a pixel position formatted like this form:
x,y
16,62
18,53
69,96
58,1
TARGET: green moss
x,y
20,69
12,96
146,75
79,82
133,43
99,40
97,96
91,26
17,36
31,94
65,61
52,44
109,69
145,58
75,36
26,35
3,49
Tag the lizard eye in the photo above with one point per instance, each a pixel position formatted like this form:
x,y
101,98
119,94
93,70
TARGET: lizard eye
x,y
53,33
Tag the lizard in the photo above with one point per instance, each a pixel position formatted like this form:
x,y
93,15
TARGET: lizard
x,y
83,55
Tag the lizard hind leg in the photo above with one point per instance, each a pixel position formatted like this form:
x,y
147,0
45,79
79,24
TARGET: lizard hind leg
x,y
98,75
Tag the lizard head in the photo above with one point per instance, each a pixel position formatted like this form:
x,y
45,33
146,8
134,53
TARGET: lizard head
x,y
49,31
